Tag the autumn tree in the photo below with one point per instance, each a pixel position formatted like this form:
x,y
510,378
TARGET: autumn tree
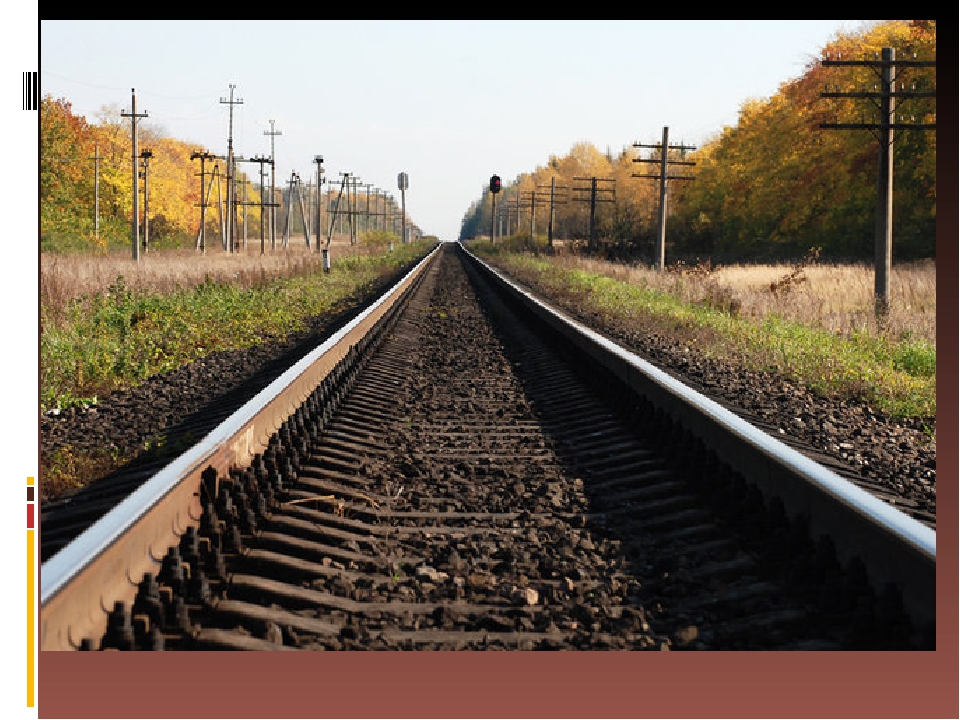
x,y
66,174
777,183
86,183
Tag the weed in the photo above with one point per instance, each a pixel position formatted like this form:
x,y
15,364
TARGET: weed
x,y
797,275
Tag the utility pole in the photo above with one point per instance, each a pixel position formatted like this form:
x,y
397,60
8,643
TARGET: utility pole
x,y
202,157
403,182
318,159
664,161
145,156
231,170
136,200
381,211
534,196
350,181
220,211
554,201
289,205
595,196
243,204
352,208
366,214
273,185
885,67
388,205
356,209
303,213
262,161
336,209
96,193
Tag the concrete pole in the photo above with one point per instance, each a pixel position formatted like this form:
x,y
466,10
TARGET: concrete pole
x,y
135,219
662,217
884,231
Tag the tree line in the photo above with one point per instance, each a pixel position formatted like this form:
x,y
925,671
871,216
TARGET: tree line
x,y
771,187
86,190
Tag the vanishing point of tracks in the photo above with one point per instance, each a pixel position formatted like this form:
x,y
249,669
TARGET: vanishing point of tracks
x,y
469,476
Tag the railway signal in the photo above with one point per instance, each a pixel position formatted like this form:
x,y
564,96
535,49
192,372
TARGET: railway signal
x,y
494,189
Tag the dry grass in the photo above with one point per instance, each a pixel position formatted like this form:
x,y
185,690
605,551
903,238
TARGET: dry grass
x,y
835,297
67,277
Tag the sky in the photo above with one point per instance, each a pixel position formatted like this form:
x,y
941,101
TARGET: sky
x,y
449,102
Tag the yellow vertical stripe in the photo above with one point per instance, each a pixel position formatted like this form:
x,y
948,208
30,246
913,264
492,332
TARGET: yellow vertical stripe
x,y
30,601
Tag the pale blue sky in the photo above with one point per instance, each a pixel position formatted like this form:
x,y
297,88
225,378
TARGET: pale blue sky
x,y
449,102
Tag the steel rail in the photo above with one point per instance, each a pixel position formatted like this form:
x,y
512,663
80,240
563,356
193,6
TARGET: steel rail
x,y
81,583
894,548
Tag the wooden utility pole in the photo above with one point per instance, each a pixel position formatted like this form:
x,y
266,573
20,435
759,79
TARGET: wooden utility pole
x,y
366,214
145,156
344,177
96,192
532,196
273,185
351,207
202,157
295,186
318,159
555,200
403,182
242,203
663,177
134,116
289,207
886,68
263,161
597,193
231,171
303,212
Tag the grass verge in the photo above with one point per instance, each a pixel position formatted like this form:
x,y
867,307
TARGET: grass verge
x,y
104,341
894,374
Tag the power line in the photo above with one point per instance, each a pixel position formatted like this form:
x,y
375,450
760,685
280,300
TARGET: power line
x,y
663,177
884,97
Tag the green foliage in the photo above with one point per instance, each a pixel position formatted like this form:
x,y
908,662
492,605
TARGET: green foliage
x,y
380,239
916,358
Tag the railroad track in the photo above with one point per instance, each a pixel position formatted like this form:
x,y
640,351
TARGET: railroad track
x,y
461,468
